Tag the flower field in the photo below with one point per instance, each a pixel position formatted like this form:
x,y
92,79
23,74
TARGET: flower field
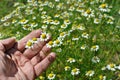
x,y
85,35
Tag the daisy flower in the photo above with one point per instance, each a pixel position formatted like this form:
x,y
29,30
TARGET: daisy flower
x,y
75,71
29,44
90,73
101,77
44,36
88,13
95,59
64,26
56,22
83,47
67,68
97,21
57,42
67,22
35,40
41,78
23,21
104,7
50,44
51,76
80,27
95,48
71,60
85,35
111,67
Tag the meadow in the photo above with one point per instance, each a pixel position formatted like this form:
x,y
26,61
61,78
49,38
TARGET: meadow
x,y
85,35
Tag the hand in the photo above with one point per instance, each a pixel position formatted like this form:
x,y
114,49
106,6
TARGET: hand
x,y
18,63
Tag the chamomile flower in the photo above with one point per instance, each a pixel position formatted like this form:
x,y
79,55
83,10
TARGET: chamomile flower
x,y
57,15
44,36
51,76
67,68
75,71
95,59
50,44
118,67
41,78
75,38
35,40
101,77
83,47
67,22
90,73
6,23
111,67
3,19
85,35
63,26
97,21
57,42
44,26
71,60
88,13
29,44
104,7
23,21
80,27
62,35
56,22
95,48
34,24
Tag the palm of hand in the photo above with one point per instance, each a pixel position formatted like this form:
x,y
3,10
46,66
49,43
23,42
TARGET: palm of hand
x,y
23,64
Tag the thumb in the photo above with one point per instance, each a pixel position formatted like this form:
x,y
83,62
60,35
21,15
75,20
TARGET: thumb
x,y
7,44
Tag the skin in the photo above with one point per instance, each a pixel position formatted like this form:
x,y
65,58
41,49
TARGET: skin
x,y
18,63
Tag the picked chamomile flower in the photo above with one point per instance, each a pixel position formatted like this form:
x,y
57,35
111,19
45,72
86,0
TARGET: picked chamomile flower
x,y
111,67
51,76
90,73
101,77
29,44
67,68
71,60
35,40
95,48
75,71
50,44
44,36
95,59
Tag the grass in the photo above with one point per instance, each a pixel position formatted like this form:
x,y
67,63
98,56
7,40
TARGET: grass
x,y
82,31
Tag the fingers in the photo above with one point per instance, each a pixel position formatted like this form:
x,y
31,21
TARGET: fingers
x,y
43,65
41,55
7,44
37,47
21,44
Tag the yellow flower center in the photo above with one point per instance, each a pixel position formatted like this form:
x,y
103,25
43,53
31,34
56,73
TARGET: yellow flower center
x,y
103,5
29,43
62,34
101,77
51,75
88,11
50,43
74,70
112,65
94,47
57,41
43,36
34,39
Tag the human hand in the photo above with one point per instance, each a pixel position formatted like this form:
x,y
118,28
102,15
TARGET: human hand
x,y
18,63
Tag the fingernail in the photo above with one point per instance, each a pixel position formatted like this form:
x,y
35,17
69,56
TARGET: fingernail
x,y
51,59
